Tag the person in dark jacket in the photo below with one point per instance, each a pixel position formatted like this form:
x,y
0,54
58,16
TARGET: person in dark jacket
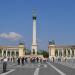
x,y
22,60
37,59
18,60
5,64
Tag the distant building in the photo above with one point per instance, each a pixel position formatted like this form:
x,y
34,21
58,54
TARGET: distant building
x,y
12,51
61,51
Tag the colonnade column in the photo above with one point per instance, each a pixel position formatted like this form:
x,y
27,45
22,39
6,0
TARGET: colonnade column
x,y
66,52
10,53
62,53
6,53
49,53
15,54
74,52
70,53
58,53
2,53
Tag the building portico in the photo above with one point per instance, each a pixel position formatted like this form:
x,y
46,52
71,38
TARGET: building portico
x,y
12,51
62,51
9,51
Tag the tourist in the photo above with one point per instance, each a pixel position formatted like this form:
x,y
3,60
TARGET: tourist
x,y
37,59
53,59
18,61
26,59
13,60
41,61
5,64
22,60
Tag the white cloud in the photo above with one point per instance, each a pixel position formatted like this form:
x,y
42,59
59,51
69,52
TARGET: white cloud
x,y
11,35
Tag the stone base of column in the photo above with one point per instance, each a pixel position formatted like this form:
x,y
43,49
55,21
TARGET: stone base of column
x,y
34,49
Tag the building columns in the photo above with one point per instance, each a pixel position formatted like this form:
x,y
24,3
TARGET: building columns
x,y
15,53
6,53
62,53
10,53
74,52
58,53
2,53
66,53
70,53
49,51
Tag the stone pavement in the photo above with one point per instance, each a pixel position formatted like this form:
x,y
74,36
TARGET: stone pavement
x,y
70,63
48,68
14,66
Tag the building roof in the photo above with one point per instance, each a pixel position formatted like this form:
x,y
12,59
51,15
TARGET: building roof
x,y
64,46
8,46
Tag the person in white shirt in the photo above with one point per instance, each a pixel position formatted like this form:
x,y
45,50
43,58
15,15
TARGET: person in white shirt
x,y
5,59
5,64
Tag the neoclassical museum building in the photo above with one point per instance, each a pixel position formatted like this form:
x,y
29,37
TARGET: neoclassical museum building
x,y
61,51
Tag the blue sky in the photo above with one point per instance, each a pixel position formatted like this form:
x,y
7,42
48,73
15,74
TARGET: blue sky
x,y
55,21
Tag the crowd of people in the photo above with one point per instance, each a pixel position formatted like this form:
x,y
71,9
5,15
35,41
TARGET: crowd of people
x,y
22,61
30,60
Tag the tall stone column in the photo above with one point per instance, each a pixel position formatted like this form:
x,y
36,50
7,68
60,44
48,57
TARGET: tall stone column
x,y
34,43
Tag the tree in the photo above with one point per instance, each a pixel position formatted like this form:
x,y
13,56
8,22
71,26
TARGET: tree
x,y
27,51
40,52
45,54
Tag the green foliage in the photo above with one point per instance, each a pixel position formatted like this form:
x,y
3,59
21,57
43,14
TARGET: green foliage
x,y
45,54
27,52
40,52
